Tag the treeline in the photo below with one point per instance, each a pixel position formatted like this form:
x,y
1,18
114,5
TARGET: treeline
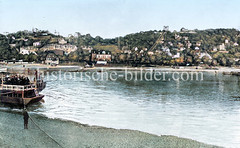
x,y
11,43
135,48
190,43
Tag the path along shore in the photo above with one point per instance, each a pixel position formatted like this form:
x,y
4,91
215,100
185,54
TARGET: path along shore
x,y
75,68
74,135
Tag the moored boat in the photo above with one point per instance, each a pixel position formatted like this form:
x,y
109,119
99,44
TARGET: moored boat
x,y
18,90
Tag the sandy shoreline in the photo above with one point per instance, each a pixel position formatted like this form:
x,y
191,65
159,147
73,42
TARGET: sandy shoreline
x,y
76,68
71,134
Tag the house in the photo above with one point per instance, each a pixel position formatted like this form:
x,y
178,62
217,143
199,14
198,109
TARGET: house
x,y
62,41
189,44
176,56
214,49
52,59
88,48
167,51
185,38
27,50
170,43
201,55
222,47
67,48
127,51
44,34
235,44
182,48
177,36
24,51
198,44
226,41
35,44
150,53
101,63
100,55
12,45
196,48
184,30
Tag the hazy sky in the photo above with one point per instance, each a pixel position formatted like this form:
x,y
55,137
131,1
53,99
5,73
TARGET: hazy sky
x,y
111,18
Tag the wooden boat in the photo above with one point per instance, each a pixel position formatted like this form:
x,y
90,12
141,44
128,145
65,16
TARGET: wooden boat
x,y
19,94
18,90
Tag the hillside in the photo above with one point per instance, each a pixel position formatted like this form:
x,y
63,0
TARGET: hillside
x,y
212,46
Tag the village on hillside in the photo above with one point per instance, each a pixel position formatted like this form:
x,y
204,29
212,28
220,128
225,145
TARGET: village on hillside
x,y
211,47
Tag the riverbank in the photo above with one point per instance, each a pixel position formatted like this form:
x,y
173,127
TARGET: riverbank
x,y
76,68
71,134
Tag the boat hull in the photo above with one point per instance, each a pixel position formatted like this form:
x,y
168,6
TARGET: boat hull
x,y
20,101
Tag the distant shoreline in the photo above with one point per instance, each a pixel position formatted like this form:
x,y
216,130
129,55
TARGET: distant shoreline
x,y
76,68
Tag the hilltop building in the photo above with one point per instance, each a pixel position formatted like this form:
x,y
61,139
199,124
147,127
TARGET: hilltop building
x,y
62,41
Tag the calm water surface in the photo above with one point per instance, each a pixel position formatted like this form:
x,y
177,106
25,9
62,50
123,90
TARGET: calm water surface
x,y
200,110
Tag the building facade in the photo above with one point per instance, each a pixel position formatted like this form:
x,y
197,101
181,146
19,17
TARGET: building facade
x,y
100,55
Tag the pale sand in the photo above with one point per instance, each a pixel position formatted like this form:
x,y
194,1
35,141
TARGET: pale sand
x,y
218,69
75,135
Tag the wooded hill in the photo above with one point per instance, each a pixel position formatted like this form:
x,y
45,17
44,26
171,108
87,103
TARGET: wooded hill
x,y
211,46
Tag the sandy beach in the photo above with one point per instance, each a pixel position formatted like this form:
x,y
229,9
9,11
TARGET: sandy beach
x,y
71,134
76,68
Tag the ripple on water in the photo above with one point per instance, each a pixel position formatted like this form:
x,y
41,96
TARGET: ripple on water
x,y
197,110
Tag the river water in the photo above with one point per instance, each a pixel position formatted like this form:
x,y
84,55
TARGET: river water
x,y
201,110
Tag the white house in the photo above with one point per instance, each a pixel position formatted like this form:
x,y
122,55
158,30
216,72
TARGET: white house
x,y
101,63
169,54
176,56
150,53
189,44
222,47
27,51
170,43
36,44
62,41
166,49
127,51
214,49
197,48
24,51
204,54
226,41
12,45
235,44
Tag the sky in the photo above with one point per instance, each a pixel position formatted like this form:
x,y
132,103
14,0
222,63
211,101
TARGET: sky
x,y
113,18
